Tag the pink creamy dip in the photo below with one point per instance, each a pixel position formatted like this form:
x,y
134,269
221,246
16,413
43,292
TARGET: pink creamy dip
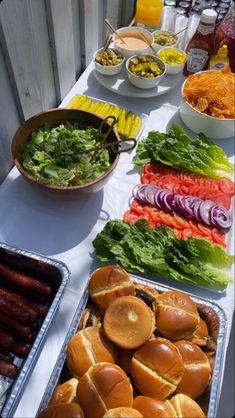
x,y
131,42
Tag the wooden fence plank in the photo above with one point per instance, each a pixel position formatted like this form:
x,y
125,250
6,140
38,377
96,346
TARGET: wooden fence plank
x,y
26,39
9,119
61,32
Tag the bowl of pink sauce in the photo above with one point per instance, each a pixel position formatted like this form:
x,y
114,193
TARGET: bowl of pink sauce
x,y
136,40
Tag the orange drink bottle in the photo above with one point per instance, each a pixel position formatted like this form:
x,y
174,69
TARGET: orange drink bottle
x,y
148,12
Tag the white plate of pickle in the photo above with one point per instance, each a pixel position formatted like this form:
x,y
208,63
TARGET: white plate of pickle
x,y
120,84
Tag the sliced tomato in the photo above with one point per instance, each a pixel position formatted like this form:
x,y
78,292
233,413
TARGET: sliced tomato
x,y
218,237
137,208
206,231
186,233
127,216
227,186
180,222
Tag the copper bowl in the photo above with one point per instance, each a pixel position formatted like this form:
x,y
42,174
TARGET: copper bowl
x,y
56,117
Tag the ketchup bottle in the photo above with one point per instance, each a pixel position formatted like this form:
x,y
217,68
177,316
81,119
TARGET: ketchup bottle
x,y
201,46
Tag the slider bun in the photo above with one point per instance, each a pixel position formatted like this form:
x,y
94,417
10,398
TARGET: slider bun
x,y
186,407
89,346
176,315
64,393
200,336
122,412
128,322
197,372
157,368
152,408
62,410
104,386
107,283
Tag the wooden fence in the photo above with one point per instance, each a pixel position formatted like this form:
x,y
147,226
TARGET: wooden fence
x,y
44,47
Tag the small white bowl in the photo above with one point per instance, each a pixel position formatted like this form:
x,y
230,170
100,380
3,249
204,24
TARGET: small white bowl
x,y
159,46
133,32
107,69
215,128
145,82
173,68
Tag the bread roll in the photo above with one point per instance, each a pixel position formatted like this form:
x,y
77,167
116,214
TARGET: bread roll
x,y
200,336
197,371
89,346
62,410
157,368
151,408
122,412
64,393
107,283
176,315
128,322
104,386
186,407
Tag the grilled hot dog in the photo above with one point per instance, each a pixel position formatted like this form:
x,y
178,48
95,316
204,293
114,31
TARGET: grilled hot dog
x,y
8,369
11,343
25,280
9,324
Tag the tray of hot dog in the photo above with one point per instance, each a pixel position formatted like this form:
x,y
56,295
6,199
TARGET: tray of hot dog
x,y
31,288
136,348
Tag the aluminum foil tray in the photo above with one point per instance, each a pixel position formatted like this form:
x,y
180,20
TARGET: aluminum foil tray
x,y
32,263
58,371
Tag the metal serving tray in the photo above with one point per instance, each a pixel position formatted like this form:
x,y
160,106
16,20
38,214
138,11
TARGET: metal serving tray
x,y
33,263
218,365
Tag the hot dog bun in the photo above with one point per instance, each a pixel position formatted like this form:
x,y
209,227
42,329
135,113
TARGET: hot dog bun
x,y
186,407
122,412
150,407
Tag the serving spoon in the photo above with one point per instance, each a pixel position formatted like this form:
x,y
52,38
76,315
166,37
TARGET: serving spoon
x,y
114,30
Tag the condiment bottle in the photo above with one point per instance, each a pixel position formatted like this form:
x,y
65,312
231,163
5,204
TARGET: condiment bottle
x,y
201,46
219,60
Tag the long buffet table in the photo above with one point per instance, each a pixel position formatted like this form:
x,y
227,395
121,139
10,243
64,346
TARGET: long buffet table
x,y
63,226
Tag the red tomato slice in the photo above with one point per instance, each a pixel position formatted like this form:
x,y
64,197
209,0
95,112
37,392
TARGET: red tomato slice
x,y
206,231
227,186
218,237
186,233
180,222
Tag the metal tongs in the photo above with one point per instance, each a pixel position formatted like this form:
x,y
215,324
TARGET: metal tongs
x,y
114,146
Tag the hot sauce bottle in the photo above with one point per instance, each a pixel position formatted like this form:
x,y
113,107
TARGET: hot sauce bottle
x,y
201,46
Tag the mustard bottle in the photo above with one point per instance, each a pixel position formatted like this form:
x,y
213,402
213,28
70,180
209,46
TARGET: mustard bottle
x,y
219,60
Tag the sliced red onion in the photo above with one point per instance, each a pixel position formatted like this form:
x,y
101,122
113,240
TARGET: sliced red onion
x,y
196,208
150,193
221,217
139,193
204,210
190,207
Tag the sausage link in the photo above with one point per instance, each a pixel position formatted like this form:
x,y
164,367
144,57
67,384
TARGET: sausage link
x,y
16,312
8,369
9,324
11,343
19,301
25,280
6,356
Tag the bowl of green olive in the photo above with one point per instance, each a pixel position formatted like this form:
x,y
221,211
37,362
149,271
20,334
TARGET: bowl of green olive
x,y
145,71
108,62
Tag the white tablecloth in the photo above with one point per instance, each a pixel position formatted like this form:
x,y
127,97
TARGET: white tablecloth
x,y
63,227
